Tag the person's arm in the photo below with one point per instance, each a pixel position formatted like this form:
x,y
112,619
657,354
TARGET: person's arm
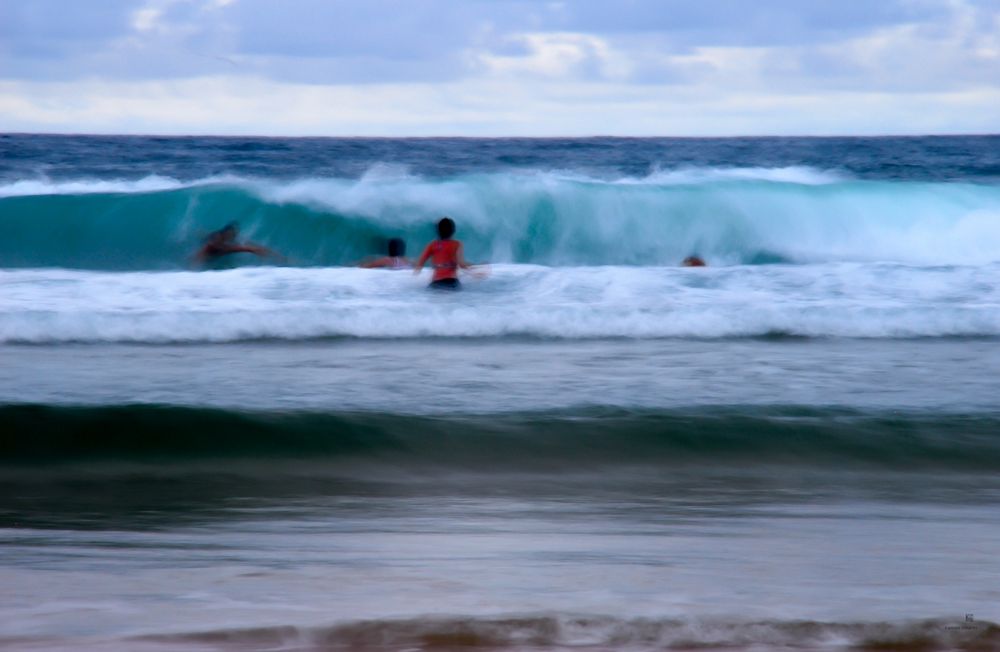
x,y
476,270
259,250
419,265
460,257
248,249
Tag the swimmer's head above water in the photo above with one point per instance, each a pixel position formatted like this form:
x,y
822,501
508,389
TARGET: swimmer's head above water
x,y
446,228
227,233
397,247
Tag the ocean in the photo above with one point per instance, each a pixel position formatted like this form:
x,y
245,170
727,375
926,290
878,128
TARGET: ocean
x,y
588,447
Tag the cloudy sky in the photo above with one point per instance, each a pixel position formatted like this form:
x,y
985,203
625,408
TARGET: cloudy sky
x,y
500,67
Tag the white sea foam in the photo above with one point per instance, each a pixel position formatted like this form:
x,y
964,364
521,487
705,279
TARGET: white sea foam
x,y
317,188
33,187
795,174
151,183
837,300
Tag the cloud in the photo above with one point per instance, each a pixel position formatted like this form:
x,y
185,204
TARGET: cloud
x,y
324,41
727,23
455,65
223,105
555,55
57,31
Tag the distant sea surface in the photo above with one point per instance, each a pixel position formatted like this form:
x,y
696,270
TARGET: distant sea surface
x,y
590,447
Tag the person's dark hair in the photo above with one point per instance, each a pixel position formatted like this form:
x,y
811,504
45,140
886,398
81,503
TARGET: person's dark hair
x,y
228,231
397,247
446,228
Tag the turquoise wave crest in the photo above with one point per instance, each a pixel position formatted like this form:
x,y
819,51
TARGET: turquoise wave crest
x,y
727,217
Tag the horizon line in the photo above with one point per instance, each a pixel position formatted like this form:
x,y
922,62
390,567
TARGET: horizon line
x,y
506,137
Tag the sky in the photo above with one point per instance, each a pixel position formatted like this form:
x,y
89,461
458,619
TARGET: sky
x,y
500,67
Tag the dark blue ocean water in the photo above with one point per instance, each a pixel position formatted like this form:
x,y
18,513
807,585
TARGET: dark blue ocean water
x,y
589,446
929,158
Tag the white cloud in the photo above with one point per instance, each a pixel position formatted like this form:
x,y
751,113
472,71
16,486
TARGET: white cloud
x,y
477,67
145,19
228,105
556,55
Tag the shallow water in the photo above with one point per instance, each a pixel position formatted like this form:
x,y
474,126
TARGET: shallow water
x,y
487,376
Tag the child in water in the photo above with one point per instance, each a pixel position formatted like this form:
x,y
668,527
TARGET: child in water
x,y
446,257
395,260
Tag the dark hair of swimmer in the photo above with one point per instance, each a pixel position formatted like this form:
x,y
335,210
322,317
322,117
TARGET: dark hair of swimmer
x,y
228,232
397,247
693,261
446,228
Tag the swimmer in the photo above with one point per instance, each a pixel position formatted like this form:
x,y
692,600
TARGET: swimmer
x,y
223,242
446,257
693,261
395,260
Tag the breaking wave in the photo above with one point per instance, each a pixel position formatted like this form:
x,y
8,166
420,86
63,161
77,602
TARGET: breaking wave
x,y
728,215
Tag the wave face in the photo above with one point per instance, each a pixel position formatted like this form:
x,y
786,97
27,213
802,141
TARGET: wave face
x,y
536,441
837,300
727,215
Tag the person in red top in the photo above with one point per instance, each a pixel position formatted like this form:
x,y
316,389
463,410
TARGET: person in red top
x,y
446,257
